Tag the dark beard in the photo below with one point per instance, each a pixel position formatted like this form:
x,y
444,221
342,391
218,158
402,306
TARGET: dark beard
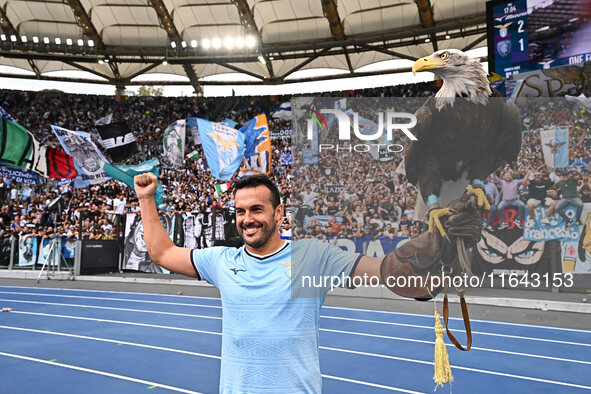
x,y
267,234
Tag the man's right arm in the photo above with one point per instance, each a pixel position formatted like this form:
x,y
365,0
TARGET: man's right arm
x,y
160,247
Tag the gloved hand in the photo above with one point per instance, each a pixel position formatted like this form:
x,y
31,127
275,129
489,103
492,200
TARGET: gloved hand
x,y
424,255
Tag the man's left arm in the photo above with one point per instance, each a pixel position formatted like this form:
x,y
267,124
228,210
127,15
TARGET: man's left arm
x,y
422,256
366,268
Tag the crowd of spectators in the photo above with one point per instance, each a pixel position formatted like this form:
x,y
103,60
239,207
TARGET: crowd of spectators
x,y
528,181
93,212
346,196
361,192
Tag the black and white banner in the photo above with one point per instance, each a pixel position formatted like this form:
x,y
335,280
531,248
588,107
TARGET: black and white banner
x,y
118,140
136,255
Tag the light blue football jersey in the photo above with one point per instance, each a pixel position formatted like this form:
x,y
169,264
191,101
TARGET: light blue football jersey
x,y
269,338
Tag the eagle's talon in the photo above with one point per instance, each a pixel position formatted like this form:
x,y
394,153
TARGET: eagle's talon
x,y
435,222
481,198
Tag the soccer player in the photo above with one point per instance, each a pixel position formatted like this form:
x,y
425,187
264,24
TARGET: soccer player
x,y
270,334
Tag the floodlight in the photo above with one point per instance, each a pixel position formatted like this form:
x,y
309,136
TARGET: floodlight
x,y
250,41
229,42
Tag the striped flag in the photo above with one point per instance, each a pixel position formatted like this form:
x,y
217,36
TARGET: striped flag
x,y
283,112
219,189
193,155
18,148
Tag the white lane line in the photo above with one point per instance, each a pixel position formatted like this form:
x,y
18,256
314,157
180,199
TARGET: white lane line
x,y
351,319
321,329
462,368
119,322
360,382
97,372
323,307
452,346
371,384
63,334
459,319
459,330
112,308
322,316
110,292
383,356
111,299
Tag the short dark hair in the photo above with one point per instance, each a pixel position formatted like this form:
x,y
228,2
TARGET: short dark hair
x,y
260,180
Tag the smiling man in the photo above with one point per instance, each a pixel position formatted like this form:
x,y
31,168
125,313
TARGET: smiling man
x,y
270,330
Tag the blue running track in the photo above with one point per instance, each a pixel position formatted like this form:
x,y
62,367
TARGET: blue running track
x,y
84,341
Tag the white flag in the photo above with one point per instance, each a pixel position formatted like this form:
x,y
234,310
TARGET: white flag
x,y
104,120
174,145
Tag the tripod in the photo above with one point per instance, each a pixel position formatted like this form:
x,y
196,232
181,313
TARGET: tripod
x,y
53,248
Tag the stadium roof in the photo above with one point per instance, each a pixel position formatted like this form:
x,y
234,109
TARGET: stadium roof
x,y
202,42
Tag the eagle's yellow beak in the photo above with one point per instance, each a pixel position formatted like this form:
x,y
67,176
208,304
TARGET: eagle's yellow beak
x,y
426,63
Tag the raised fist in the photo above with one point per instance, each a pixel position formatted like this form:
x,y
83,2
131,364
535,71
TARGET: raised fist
x,y
145,185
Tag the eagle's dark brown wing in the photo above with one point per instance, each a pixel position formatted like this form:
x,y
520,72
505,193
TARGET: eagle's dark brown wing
x,y
412,154
509,127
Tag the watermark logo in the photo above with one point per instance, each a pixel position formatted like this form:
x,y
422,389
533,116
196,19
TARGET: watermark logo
x,y
314,116
363,129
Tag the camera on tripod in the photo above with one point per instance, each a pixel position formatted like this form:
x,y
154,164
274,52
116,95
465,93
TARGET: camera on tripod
x,y
56,207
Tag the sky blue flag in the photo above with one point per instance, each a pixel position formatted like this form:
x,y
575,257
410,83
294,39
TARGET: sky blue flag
x,y
230,122
223,147
126,173
283,112
555,147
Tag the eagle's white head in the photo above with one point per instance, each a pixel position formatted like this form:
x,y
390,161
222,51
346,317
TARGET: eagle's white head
x,y
462,76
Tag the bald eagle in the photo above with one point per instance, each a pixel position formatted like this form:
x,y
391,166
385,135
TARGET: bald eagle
x,y
463,133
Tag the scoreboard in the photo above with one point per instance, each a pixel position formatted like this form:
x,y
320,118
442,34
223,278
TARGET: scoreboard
x,y
527,35
509,41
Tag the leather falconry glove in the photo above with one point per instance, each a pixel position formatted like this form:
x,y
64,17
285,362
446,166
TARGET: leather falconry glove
x,y
428,254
